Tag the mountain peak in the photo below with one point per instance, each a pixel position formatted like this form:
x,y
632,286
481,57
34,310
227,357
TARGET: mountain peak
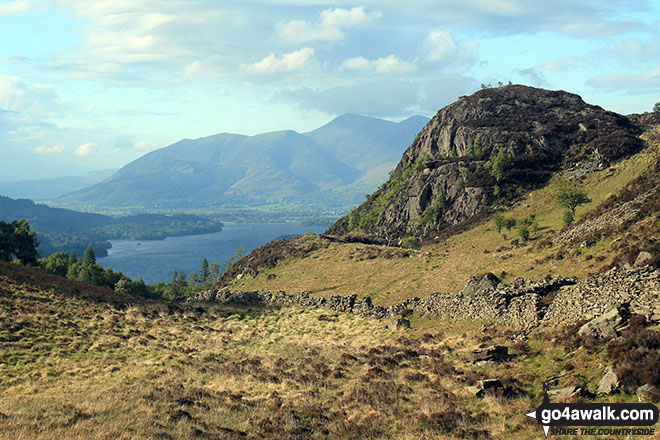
x,y
447,176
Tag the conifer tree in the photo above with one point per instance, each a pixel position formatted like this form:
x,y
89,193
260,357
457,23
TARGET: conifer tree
x,y
204,271
90,256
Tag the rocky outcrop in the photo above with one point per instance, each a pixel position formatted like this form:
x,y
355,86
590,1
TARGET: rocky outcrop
x,y
446,173
268,255
609,382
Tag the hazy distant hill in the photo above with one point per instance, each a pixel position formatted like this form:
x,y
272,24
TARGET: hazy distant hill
x,y
43,189
350,151
67,230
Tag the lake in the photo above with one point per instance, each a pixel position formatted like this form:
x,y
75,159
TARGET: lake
x,y
154,260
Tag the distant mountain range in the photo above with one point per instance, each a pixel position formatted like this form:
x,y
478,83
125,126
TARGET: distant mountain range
x,y
45,189
340,161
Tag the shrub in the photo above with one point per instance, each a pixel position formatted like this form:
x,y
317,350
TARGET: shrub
x,y
411,243
499,220
568,218
636,356
433,212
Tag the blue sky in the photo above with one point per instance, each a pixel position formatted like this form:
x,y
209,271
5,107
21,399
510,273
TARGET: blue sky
x,y
94,84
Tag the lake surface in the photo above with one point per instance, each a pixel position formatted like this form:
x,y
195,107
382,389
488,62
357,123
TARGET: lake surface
x,y
154,260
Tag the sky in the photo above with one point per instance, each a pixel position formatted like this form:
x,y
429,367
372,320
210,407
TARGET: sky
x,y
93,84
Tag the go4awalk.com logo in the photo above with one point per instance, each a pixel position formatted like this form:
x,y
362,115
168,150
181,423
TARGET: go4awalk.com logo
x,y
612,419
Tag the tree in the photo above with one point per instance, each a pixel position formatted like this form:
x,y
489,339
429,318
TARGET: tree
x,y
568,218
234,258
57,263
204,271
500,164
571,198
6,241
656,107
25,242
18,240
89,257
498,219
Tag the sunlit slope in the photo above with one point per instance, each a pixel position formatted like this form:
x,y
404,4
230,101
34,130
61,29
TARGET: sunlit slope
x,y
446,266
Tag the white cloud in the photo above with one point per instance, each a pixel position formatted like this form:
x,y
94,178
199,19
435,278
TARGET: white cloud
x,y
286,63
637,83
15,7
388,64
211,65
49,150
441,45
86,149
144,145
331,26
561,65
34,99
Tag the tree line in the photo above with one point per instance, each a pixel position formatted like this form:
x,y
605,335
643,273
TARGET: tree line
x,y
19,243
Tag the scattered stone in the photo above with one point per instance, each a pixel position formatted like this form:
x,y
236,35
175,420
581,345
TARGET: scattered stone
x,y
604,326
648,394
490,384
494,353
485,386
609,383
399,323
239,276
565,393
327,318
271,276
643,259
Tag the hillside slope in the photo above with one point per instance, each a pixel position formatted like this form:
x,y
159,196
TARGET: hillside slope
x,y
82,362
347,155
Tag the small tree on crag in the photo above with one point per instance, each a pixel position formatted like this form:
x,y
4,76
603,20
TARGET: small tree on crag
x,y
570,198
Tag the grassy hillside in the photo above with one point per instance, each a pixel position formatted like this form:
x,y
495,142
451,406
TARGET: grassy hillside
x,y
82,362
446,265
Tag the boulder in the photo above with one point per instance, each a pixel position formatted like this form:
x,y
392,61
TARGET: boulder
x,y
485,386
643,259
399,323
565,393
609,382
481,283
494,353
604,326
648,393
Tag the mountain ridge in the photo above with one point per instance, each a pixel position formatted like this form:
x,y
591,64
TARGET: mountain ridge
x,y
281,165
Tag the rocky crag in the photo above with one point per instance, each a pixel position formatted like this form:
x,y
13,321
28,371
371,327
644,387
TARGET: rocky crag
x,y
480,151
525,305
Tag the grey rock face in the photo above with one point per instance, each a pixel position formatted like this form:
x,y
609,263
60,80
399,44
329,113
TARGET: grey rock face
x,y
397,324
609,383
495,353
603,327
481,283
565,393
536,128
648,393
643,259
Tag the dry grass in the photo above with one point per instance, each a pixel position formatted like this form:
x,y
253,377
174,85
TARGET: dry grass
x,y
76,368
